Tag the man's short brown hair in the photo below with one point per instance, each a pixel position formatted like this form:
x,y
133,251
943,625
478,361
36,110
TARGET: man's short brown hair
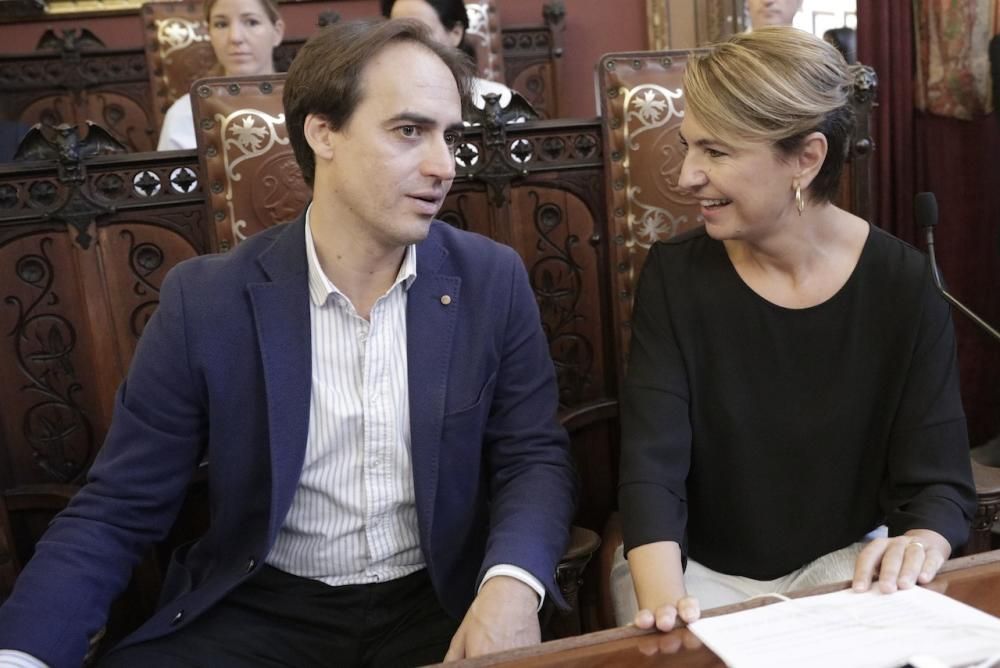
x,y
325,77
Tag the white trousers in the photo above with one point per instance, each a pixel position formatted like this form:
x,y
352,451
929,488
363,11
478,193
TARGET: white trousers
x,y
714,589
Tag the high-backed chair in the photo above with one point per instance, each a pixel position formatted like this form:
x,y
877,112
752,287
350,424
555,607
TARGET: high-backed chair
x,y
178,50
252,178
485,39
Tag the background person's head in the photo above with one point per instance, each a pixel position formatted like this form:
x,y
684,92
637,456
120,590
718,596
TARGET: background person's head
x,y
772,12
777,85
446,19
327,74
243,34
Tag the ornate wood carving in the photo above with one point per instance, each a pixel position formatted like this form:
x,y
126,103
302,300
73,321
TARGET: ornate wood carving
x,y
72,79
86,243
178,51
21,9
72,86
530,56
538,186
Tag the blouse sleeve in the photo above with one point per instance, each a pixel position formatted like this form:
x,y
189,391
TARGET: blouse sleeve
x,y
929,483
656,427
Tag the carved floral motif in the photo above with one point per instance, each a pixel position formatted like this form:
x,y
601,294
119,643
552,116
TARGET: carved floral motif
x,y
247,133
56,428
557,280
647,108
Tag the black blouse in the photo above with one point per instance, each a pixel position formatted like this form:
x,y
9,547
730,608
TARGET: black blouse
x,y
761,437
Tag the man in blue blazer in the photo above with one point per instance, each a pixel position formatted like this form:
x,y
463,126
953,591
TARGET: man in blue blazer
x,y
374,396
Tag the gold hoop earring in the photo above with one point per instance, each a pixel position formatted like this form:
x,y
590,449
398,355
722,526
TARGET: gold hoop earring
x,y
799,202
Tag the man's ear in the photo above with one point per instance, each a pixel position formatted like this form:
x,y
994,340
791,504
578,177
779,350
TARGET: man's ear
x,y
319,135
810,157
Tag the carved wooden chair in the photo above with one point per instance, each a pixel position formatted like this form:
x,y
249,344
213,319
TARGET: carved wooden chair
x,y
252,178
485,40
178,51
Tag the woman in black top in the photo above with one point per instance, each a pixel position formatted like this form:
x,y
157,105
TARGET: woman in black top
x,y
792,383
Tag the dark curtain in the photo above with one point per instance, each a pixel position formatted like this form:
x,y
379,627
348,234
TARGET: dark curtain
x,y
885,42
959,161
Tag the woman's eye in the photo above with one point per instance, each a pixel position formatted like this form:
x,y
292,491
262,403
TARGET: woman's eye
x,y
713,153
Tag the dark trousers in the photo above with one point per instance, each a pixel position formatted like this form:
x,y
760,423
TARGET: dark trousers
x,y
279,619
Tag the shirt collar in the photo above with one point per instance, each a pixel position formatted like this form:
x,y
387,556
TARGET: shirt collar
x,y
321,287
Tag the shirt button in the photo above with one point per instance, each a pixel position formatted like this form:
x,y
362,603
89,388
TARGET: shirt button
x,y
177,618
251,563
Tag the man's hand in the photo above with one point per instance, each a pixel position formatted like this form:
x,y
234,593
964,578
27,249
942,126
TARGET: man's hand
x,y
902,561
665,617
503,616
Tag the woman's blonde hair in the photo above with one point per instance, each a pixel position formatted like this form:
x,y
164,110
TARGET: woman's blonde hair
x,y
776,84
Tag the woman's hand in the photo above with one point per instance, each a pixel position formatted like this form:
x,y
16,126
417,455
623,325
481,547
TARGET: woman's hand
x,y
659,586
901,561
665,616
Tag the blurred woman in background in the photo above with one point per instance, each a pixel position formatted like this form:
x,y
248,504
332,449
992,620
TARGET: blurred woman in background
x,y
244,34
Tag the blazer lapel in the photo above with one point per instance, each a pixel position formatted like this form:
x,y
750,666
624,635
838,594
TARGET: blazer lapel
x,y
281,312
432,305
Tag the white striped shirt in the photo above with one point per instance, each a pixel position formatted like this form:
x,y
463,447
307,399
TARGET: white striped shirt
x,y
353,518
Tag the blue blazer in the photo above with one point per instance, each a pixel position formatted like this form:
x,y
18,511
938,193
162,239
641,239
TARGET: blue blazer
x,y
223,371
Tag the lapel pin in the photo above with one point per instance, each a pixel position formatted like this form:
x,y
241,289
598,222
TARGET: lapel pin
x,y
445,299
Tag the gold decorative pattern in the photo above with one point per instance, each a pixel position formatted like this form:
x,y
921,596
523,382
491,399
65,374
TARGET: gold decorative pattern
x,y
247,133
73,6
649,107
174,34
657,25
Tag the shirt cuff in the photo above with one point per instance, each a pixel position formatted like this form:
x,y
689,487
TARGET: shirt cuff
x,y
11,658
517,573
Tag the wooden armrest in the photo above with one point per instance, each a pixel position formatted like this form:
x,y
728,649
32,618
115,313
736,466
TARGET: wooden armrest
x,y
584,415
987,481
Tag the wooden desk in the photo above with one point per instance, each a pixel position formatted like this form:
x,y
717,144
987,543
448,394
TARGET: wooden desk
x,y
974,580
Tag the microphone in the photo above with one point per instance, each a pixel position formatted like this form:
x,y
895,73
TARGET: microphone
x,y
926,209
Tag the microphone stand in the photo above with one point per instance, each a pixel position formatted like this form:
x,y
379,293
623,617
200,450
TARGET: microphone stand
x,y
951,300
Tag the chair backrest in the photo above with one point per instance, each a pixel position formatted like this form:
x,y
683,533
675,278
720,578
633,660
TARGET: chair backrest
x,y
249,167
642,105
485,39
178,51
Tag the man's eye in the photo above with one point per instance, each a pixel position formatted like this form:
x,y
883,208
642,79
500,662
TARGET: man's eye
x,y
451,138
408,130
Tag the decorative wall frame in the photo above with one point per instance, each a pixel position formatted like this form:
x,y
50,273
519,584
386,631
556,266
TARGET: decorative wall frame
x,y
710,21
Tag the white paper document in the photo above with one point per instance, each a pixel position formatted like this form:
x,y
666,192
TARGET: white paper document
x,y
851,629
